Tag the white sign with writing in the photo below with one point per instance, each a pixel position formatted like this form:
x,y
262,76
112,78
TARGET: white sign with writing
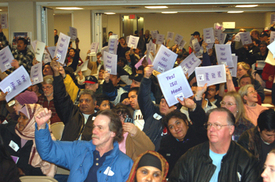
x,y
39,50
170,36
36,74
94,48
190,63
245,38
112,45
160,39
182,44
6,58
217,33
4,21
178,39
233,70
209,46
154,34
164,60
62,47
208,35
196,45
73,33
210,74
15,83
133,41
47,58
224,54
271,48
51,51
222,38
110,63
272,36
174,85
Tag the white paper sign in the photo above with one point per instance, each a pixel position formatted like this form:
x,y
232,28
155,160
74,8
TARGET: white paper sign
x,y
224,54
245,38
110,63
164,60
208,35
104,49
269,59
133,41
222,38
272,36
62,47
237,37
174,84
39,50
170,36
112,44
151,47
47,58
154,34
233,70
182,44
6,58
196,45
36,74
4,21
73,33
178,39
160,39
209,46
217,33
83,67
271,48
51,51
15,83
272,19
94,47
210,74
190,63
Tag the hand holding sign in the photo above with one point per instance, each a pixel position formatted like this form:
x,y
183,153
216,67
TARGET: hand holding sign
x,y
189,103
55,66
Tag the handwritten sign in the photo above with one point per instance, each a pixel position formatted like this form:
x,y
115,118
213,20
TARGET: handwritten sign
x,y
224,54
47,58
4,21
154,34
209,46
174,84
39,50
208,35
245,38
62,47
182,44
217,33
190,63
36,74
178,39
160,39
170,36
164,60
272,19
272,36
110,63
15,83
222,38
51,51
196,45
94,48
233,70
133,41
73,33
210,74
6,58
112,44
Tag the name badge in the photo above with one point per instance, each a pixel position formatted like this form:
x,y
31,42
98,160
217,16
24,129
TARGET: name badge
x,y
14,146
157,116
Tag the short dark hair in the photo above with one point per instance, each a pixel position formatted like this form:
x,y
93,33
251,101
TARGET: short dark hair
x,y
136,89
230,116
174,114
122,109
99,53
123,60
110,32
88,92
24,40
247,76
100,98
115,124
266,120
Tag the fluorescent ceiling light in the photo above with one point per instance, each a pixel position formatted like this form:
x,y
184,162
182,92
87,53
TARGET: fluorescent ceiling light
x,y
0,9
169,12
109,13
246,6
69,8
156,7
234,11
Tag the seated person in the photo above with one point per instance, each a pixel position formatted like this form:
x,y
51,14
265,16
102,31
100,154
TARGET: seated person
x,y
19,141
267,174
96,160
149,166
102,102
259,140
135,141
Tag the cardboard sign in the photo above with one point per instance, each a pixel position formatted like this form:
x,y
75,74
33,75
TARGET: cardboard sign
x,y
190,63
164,60
15,83
170,36
208,35
110,63
73,33
62,47
245,38
210,74
224,54
160,39
133,41
6,58
36,74
174,84
178,39
39,50
4,21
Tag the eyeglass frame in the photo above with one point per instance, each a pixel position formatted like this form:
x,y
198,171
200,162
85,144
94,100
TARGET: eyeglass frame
x,y
215,125
226,103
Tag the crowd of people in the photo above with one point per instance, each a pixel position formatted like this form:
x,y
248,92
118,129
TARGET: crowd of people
x,y
119,127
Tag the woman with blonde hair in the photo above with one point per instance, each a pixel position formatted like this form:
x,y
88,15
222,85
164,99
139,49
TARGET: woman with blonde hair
x,y
269,167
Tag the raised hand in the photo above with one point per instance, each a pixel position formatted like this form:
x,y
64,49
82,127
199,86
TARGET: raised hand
x,y
130,128
42,118
189,103
55,66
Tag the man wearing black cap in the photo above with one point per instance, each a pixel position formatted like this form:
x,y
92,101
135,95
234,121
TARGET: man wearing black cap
x,y
264,37
196,35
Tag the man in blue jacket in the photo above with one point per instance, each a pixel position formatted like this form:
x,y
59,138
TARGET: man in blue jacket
x,y
97,160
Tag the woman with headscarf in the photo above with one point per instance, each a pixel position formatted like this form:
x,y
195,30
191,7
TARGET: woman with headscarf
x,y
149,166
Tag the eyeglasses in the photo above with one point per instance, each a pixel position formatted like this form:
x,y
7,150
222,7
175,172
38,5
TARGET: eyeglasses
x,y
47,87
227,103
252,92
215,125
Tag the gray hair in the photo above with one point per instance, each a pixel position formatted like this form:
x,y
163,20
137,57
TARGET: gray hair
x,y
48,79
243,91
88,92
